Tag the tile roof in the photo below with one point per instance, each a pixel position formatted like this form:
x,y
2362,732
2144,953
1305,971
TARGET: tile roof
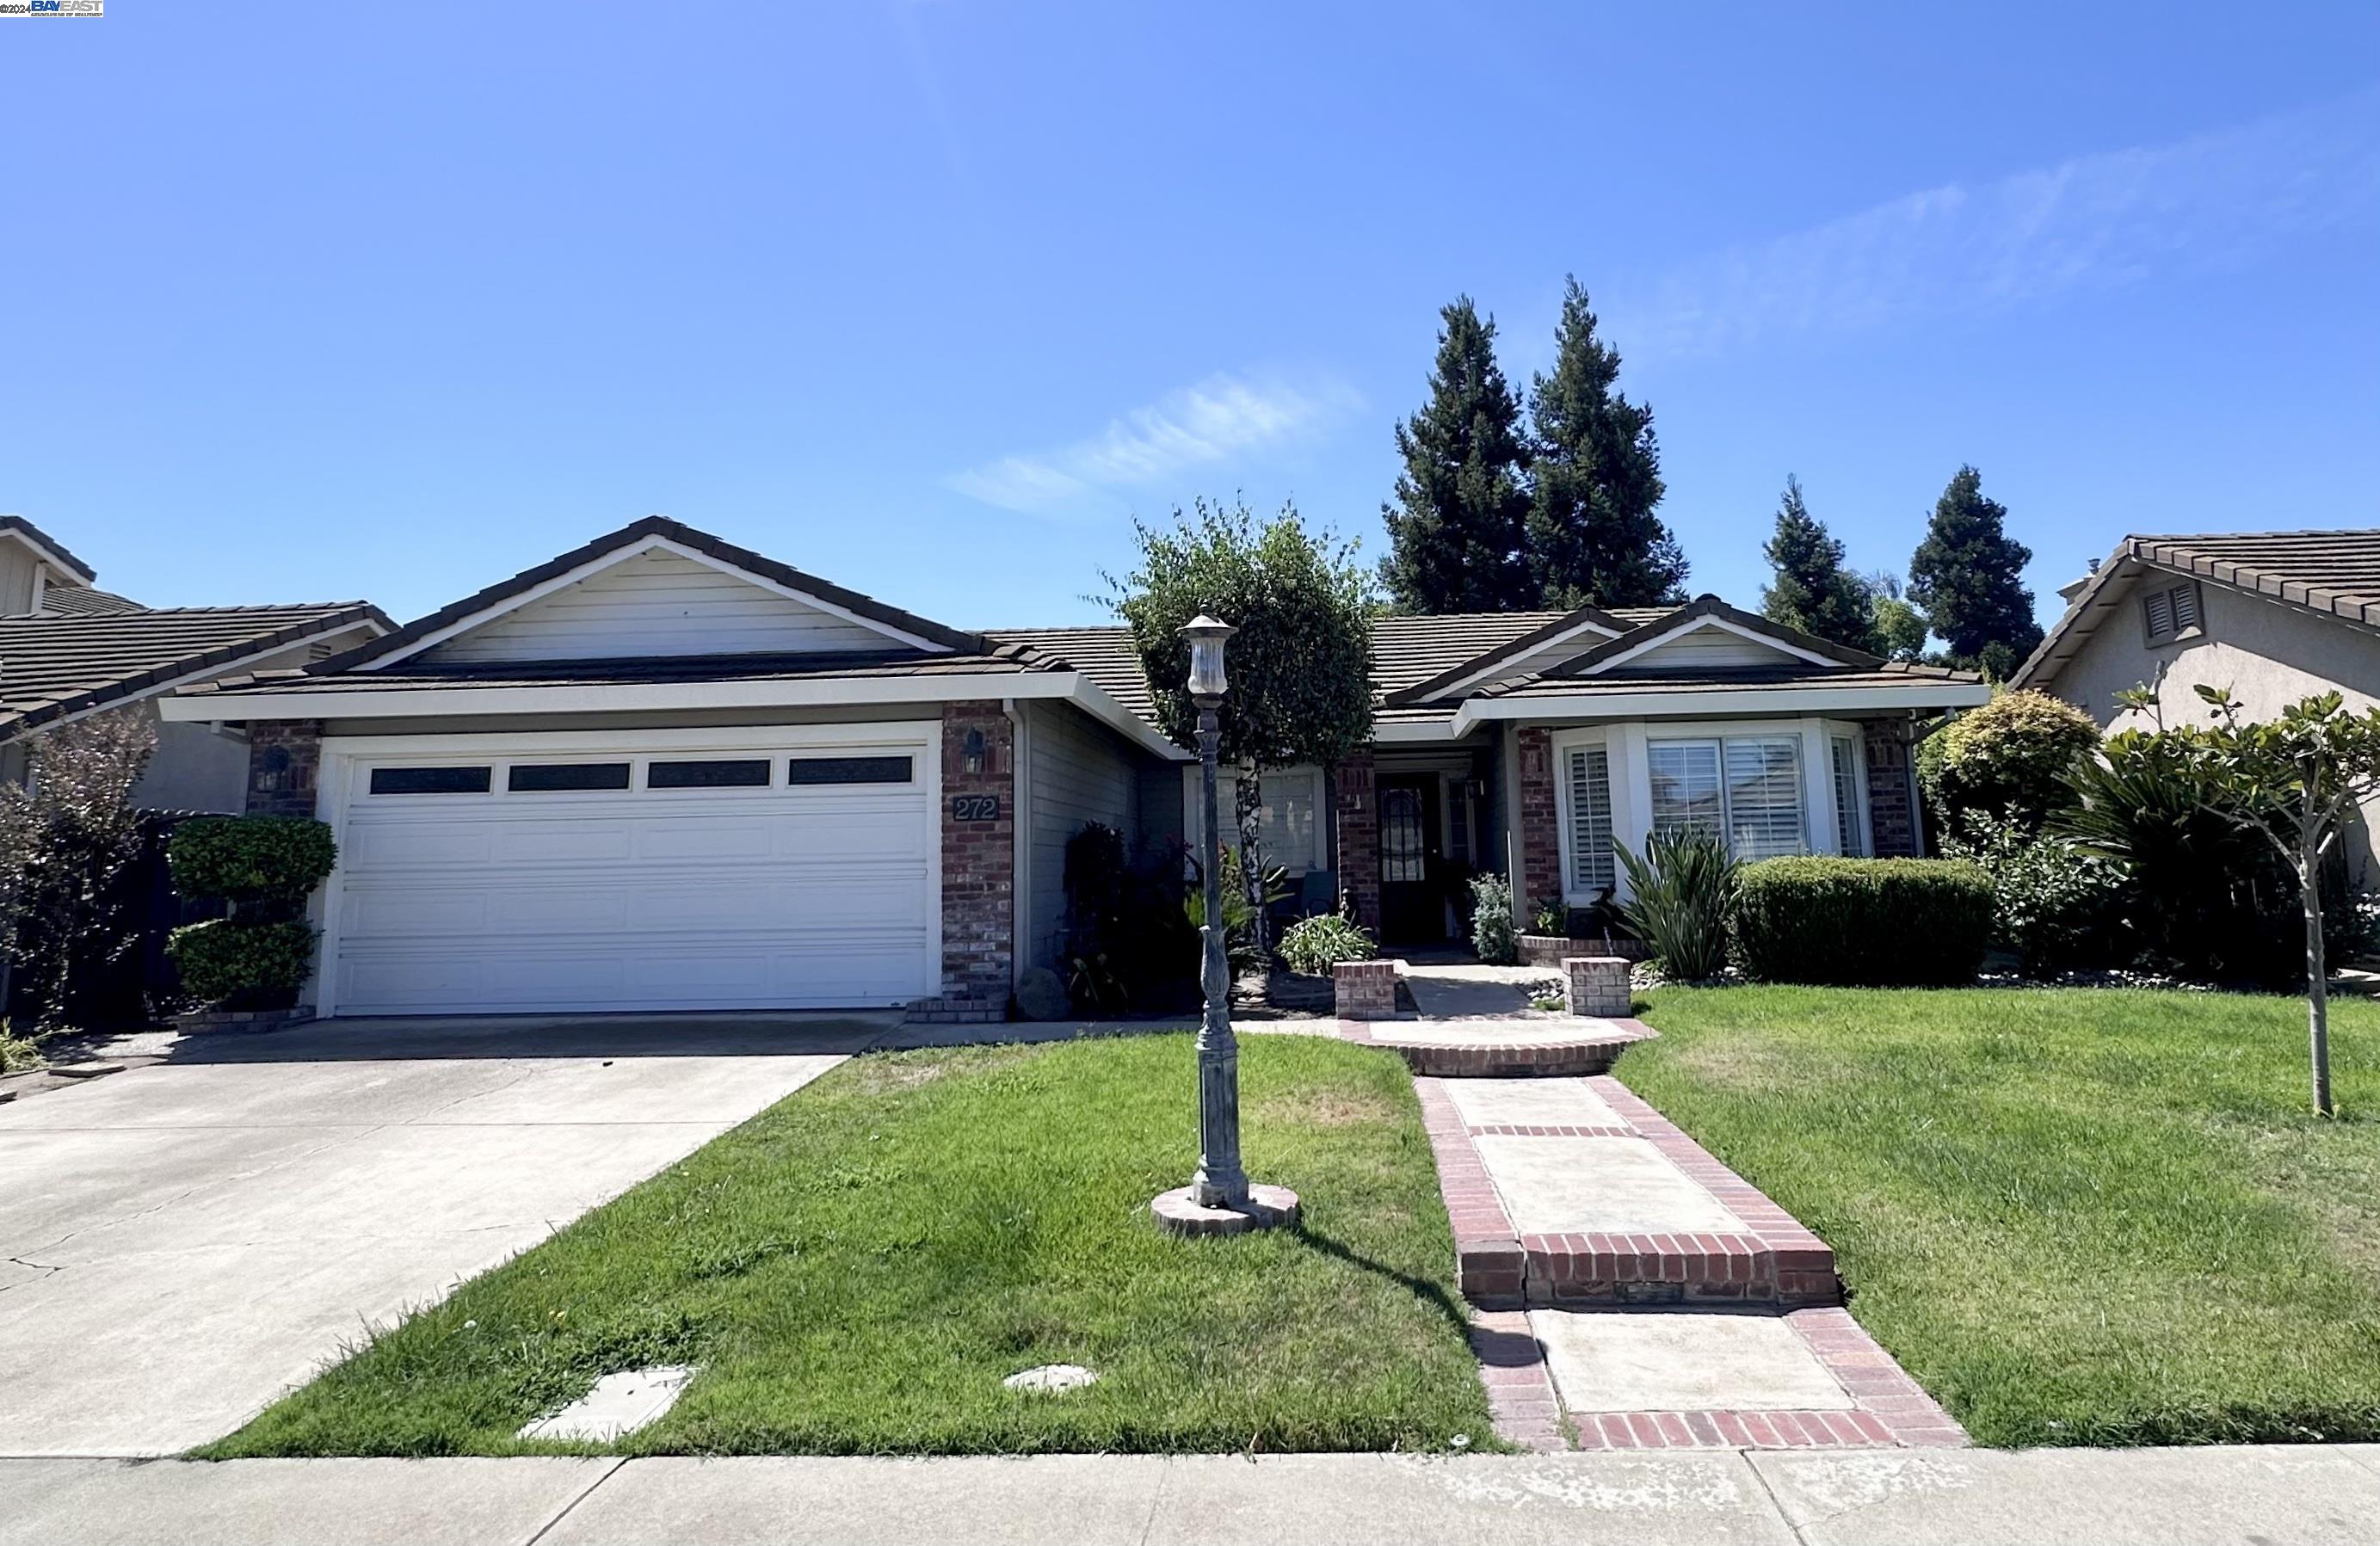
x,y
647,669
1798,673
2333,572
85,601
52,667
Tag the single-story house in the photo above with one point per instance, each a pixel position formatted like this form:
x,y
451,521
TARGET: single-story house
x,y
2273,617
665,772
68,649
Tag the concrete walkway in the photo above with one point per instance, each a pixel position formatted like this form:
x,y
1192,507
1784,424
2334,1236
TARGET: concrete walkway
x,y
183,1241
2318,1496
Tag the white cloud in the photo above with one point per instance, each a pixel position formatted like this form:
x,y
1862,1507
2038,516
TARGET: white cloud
x,y
2212,202
1199,426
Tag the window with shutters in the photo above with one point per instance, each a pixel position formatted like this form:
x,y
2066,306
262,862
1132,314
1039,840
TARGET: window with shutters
x,y
1745,790
1591,866
2171,613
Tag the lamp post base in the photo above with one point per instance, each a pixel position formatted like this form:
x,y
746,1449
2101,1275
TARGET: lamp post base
x,y
1180,1213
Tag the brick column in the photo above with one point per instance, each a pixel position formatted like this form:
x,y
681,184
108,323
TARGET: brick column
x,y
1358,813
284,757
978,866
1541,876
1891,793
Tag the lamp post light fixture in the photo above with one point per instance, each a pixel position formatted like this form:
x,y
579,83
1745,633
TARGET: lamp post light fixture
x,y
1220,1199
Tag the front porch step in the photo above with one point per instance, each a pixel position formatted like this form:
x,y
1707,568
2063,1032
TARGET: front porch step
x,y
1503,1047
1574,1194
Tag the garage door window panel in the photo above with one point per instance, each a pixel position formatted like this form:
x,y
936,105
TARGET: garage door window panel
x,y
715,773
553,778
431,780
850,770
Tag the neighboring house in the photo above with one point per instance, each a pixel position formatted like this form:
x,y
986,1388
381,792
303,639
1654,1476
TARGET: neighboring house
x,y
68,649
2271,617
664,772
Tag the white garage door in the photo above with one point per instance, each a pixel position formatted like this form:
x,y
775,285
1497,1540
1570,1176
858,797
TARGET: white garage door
x,y
674,871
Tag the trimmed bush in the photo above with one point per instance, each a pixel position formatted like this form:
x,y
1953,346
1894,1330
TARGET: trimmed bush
x,y
1860,921
2011,757
2055,904
1315,945
225,961
251,858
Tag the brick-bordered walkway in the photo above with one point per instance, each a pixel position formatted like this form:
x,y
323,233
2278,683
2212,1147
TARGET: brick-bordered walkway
x,y
1503,1270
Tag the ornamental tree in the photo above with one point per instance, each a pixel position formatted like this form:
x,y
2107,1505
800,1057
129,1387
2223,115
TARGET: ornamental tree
x,y
2297,780
1299,666
67,835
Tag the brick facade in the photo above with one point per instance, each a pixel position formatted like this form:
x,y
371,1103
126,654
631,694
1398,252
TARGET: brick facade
x,y
1541,876
1358,815
1891,793
285,756
978,866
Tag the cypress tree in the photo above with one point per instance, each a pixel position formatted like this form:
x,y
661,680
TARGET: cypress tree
x,y
1455,531
1968,576
1813,591
1596,481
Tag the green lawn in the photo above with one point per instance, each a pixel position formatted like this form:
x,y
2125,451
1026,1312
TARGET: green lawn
x,y
2076,1217
857,1268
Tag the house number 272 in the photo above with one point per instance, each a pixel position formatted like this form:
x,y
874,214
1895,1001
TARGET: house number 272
x,y
975,807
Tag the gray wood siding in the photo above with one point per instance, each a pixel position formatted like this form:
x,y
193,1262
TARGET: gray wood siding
x,y
1078,771
657,603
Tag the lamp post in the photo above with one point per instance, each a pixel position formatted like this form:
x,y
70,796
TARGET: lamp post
x,y
1220,1199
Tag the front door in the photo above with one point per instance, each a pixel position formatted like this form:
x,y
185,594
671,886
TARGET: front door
x,y
1412,907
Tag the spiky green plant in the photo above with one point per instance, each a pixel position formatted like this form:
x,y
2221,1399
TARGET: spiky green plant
x,y
1680,888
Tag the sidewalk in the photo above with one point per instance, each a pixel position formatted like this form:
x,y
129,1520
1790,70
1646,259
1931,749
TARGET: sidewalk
x,y
2277,1495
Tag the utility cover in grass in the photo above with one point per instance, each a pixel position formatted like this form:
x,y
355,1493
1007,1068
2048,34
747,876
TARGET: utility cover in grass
x,y
619,1403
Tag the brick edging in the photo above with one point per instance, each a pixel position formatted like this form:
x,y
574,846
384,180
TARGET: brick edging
x,y
1806,1265
1520,1396
1875,1379
1488,1261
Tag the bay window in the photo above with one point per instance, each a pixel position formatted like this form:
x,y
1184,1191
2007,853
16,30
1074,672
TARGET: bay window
x,y
1745,791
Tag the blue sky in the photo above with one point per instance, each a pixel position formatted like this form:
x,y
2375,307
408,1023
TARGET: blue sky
x,y
315,301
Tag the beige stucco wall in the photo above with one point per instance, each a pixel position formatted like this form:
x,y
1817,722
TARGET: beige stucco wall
x,y
2267,654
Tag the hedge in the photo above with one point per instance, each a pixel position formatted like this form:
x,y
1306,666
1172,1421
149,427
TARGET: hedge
x,y
225,960
1860,921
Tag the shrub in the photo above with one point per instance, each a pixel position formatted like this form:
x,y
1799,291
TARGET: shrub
x,y
242,965
2009,757
1316,944
2053,903
70,838
1679,894
1862,922
1127,942
1550,916
273,860
1491,921
1245,907
2209,898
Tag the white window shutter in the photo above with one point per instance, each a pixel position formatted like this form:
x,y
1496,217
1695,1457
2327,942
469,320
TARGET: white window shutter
x,y
1590,819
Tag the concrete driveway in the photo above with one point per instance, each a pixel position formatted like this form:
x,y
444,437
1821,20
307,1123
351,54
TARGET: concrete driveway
x,y
182,1242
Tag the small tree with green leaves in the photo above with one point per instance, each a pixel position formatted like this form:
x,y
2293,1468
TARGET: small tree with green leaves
x,y
2297,780
1899,629
1299,664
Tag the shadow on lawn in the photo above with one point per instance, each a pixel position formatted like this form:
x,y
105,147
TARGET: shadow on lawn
x,y
1435,1294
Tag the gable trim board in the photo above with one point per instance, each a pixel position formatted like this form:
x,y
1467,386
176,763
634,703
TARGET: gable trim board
x,y
1800,698
658,531
47,549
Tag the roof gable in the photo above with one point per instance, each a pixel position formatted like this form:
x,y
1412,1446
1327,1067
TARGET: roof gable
x,y
2332,573
659,589
18,531
1710,636
1536,648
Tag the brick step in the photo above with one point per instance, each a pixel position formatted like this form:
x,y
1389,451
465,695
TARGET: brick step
x,y
1502,1048
1569,1271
